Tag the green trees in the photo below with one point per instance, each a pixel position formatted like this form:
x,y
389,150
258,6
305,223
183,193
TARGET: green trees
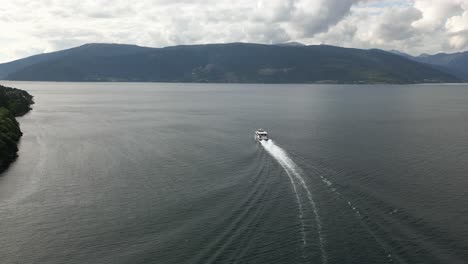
x,y
13,102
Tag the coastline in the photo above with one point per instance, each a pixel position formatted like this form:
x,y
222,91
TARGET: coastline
x,y
13,103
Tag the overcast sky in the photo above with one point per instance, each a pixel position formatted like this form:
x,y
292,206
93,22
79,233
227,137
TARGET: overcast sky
x,y
30,27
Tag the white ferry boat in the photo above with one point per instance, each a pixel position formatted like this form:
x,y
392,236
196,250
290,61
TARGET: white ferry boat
x,y
261,134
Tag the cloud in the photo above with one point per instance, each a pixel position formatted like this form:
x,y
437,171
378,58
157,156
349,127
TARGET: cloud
x,y
414,26
396,24
457,26
314,17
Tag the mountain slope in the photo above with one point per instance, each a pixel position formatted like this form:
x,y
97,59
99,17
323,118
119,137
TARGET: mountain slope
x,y
455,63
235,62
85,50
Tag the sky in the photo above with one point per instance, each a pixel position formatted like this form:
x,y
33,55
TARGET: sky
x,y
30,27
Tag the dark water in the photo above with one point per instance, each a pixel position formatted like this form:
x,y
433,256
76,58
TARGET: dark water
x,y
170,173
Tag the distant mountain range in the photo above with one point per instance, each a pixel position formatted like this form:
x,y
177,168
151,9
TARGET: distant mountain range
x,y
455,64
234,62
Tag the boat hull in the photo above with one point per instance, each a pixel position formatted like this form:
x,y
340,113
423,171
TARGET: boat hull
x,y
261,135
257,138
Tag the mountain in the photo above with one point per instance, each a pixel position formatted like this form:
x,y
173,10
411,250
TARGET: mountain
x,y
234,62
455,64
291,44
85,50
397,52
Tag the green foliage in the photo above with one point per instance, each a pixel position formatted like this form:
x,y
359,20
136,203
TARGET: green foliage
x,y
13,102
16,101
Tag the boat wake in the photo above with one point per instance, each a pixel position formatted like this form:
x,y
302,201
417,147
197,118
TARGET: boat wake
x,y
297,181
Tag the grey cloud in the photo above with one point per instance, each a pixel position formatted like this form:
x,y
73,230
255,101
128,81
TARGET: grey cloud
x,y
415,27
397,24
459,39
274,11
62,24
325,13
409,25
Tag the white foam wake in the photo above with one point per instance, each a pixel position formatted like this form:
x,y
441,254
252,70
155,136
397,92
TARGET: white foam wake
x,y
293,172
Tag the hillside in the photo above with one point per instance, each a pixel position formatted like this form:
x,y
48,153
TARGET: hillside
x,y
13,102
455,64
235,62
85,50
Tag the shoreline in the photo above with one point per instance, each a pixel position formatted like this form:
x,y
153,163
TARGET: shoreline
x,y
13,103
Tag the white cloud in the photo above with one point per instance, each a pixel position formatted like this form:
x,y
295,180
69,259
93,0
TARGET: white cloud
x,y
416,26
419,26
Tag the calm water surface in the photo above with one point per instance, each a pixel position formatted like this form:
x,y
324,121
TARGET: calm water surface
x,y
170,173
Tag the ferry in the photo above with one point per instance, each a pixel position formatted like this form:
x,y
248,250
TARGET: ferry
x,y
261,134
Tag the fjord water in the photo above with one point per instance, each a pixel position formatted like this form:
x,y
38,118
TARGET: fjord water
x,y
170,173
